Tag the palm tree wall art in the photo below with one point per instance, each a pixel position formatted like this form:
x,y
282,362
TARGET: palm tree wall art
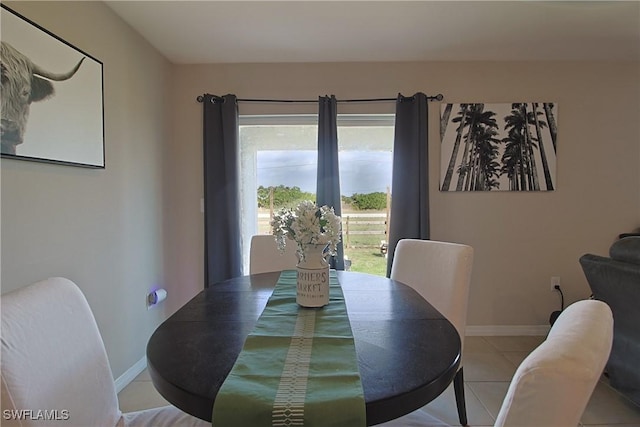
x,y
498,147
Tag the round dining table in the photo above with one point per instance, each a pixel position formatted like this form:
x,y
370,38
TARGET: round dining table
x,y
407,351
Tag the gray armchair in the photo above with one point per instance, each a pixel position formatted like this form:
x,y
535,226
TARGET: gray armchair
x,y
616,281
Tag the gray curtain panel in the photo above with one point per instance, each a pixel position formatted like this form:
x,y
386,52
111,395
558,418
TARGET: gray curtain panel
x,y
410,180
223,255
328,181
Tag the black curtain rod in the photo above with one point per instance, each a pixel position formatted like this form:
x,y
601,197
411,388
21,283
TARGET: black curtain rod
x,y
437,97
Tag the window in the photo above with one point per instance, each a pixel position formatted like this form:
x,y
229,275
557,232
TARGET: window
x,y
365,145
279,167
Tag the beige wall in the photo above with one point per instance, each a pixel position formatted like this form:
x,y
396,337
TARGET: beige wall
x,y
520,239
119,231
103,229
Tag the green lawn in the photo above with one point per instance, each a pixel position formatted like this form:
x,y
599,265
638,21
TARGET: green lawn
x,y
367,260
364,253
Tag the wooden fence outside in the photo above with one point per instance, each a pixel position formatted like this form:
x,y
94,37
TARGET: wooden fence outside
x,y
358,229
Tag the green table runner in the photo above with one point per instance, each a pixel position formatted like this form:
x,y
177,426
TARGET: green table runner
x,y
298,367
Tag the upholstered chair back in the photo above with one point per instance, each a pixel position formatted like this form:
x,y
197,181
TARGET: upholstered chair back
x,y
553,385
264,255
53,358
55,370
440,272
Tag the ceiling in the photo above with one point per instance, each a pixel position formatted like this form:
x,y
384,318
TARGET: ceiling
x,y
198,32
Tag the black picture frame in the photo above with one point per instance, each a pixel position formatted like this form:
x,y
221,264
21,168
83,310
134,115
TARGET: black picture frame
x,y
499,146
65,126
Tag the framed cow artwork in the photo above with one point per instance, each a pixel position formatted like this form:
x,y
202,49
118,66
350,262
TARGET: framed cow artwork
x,y
52,97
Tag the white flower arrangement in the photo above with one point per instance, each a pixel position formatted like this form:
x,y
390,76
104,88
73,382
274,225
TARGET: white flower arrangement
x,y
307,224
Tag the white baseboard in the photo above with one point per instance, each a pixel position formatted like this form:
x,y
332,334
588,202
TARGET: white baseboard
x,y
516,330
130,374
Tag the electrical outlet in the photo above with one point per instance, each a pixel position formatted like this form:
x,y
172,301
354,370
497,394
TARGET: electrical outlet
x,y
555,281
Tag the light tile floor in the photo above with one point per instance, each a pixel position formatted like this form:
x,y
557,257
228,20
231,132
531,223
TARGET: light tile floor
x,y
489,364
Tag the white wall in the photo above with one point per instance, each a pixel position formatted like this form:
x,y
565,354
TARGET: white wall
x,y
521,239
103,229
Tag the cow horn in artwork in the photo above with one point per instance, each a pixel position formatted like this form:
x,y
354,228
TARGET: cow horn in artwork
x,y
38,71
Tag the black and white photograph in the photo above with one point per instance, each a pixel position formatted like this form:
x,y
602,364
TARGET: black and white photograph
x,y
498,147
52,97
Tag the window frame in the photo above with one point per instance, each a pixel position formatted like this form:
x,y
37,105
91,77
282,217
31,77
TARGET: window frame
x,y
248,158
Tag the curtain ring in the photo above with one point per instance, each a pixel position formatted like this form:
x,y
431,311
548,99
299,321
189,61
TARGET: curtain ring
x,y
406,98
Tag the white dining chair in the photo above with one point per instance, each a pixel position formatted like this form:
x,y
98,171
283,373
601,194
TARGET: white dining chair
x,y
55,370
441,273
264,255
553,384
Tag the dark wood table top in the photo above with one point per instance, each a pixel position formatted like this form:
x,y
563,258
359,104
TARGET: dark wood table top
x,y
408,353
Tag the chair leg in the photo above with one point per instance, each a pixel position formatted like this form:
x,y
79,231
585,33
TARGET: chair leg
x,y
458,387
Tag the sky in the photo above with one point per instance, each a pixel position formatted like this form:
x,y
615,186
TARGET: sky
x,y
360,171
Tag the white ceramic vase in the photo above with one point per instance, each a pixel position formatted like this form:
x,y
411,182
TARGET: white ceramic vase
x,y
313,278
